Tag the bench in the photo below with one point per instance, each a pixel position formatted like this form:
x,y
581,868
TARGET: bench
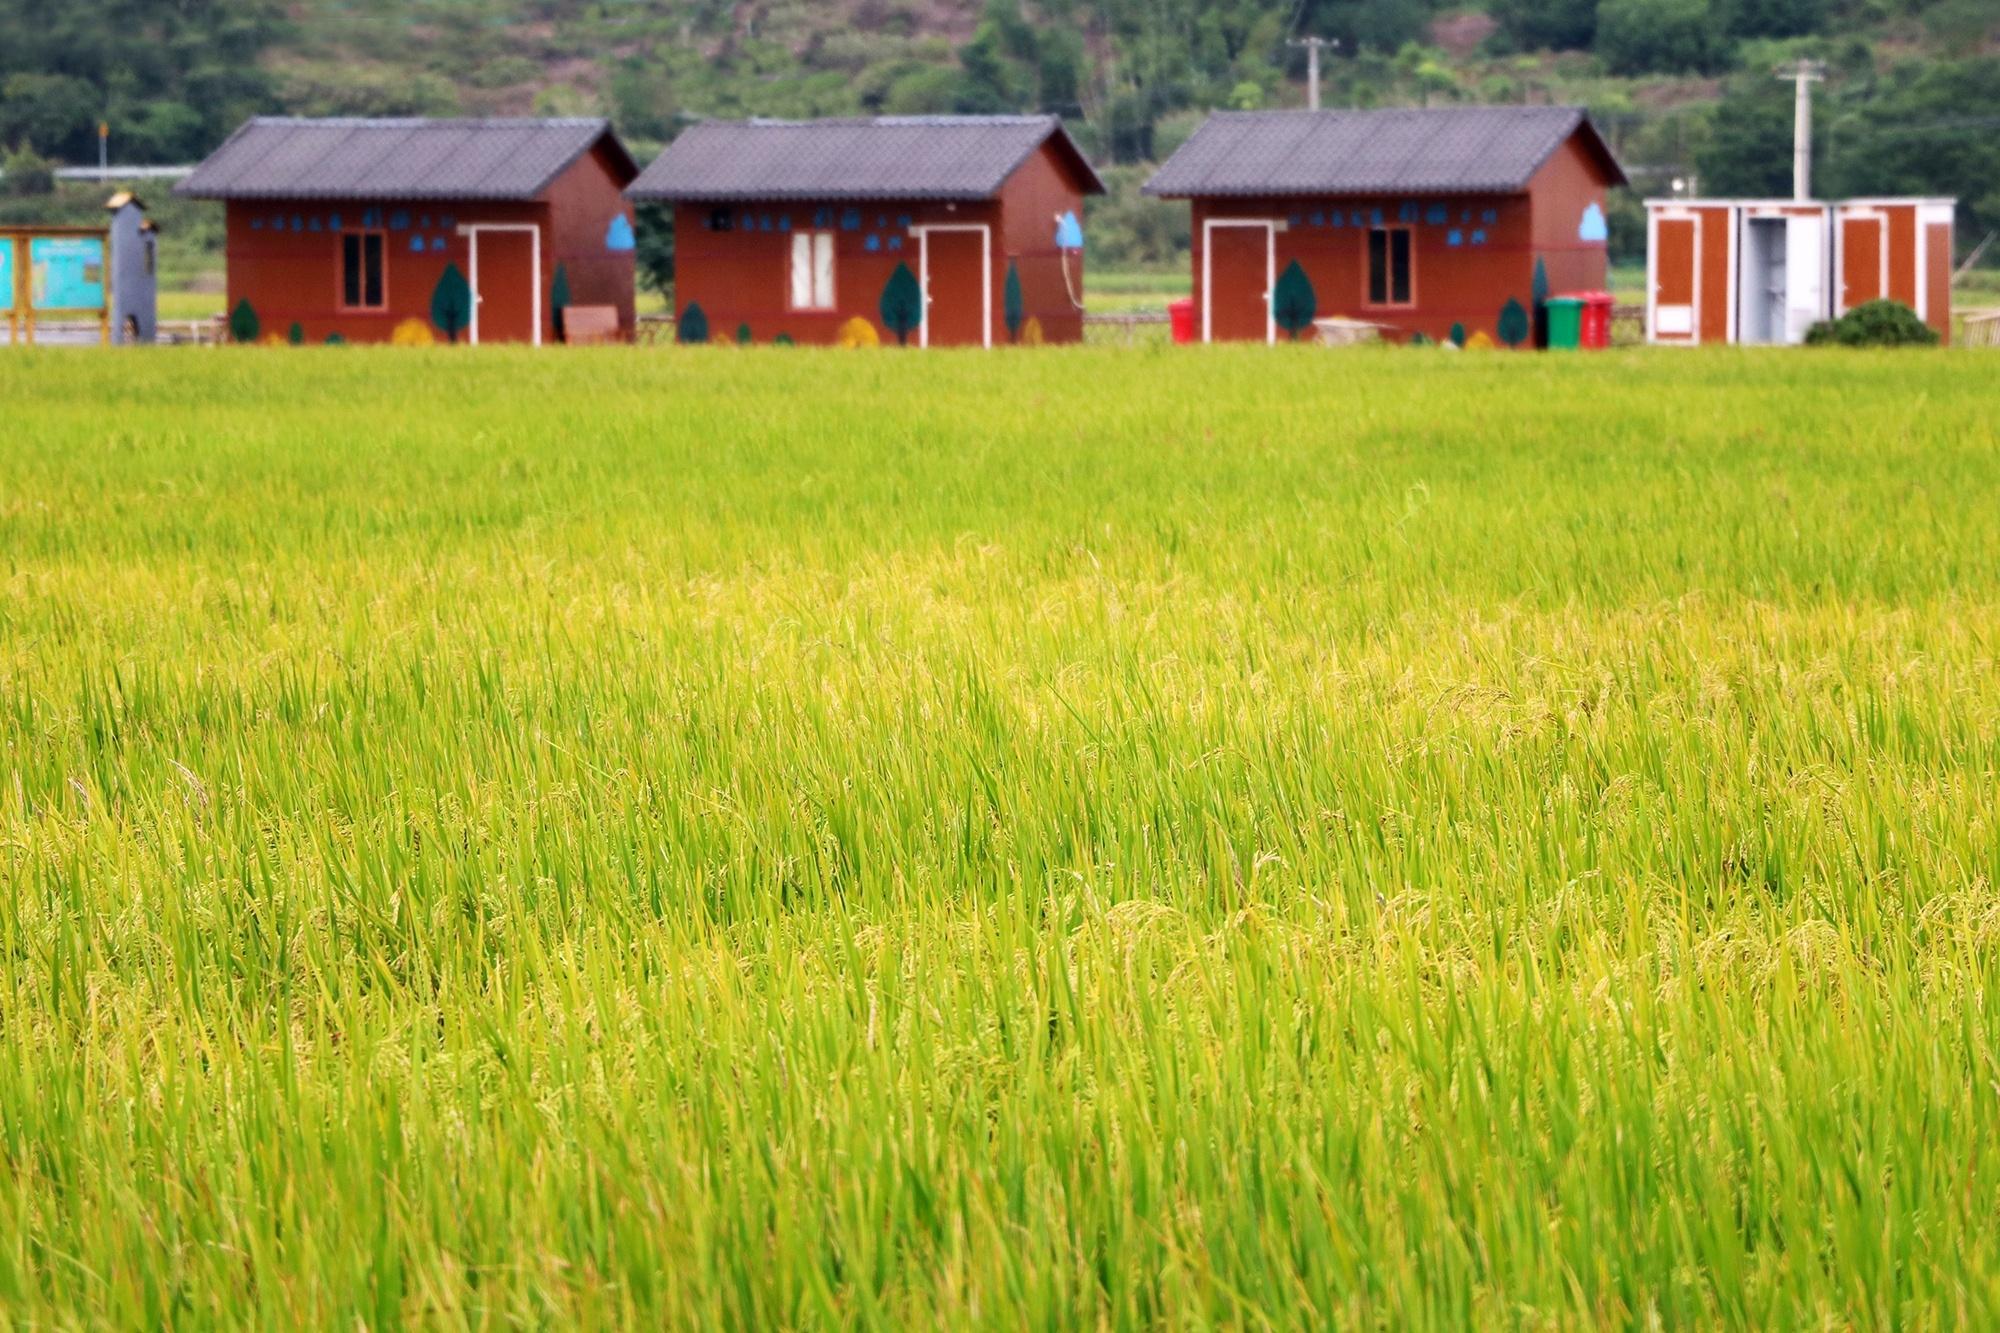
x,y
588,325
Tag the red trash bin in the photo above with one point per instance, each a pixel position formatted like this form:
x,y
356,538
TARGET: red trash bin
x,y
1180,314
1596,320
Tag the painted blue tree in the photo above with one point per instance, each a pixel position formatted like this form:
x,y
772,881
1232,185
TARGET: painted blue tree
x,y
451,302
693,326
1294,304
902,304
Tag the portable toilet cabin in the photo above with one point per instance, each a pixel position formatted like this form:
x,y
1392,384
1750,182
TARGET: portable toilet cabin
x,y
1764,271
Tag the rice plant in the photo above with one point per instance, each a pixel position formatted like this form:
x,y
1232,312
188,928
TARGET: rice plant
x,y
1085,838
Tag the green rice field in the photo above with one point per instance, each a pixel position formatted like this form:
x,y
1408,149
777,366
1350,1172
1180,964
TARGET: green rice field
x,y
1063,838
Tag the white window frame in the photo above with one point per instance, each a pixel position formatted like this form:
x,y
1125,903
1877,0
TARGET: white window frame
x,y
820,256
1270,226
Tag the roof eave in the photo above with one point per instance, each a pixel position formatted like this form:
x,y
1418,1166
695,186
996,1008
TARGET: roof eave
x,y
1376,191
669,195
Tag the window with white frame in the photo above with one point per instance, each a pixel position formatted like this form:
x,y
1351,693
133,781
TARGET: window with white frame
x,y
812,270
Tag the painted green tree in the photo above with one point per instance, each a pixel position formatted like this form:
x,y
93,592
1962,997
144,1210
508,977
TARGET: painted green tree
x,y
743,335
1514,326
1293,301
1458,335
296,335
559,300
243,325
1014,306
451,302
902,304
693,327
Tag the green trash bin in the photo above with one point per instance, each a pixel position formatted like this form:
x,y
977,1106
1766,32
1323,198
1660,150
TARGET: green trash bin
x,y
1565,314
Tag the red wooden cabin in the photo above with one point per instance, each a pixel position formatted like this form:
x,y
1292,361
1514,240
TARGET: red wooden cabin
x,y
467,230
1425,221
936,231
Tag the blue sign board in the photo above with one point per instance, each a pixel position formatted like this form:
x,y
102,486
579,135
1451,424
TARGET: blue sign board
x,y
66,272
7,248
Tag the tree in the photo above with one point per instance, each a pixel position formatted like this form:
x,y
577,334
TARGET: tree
x,y
172,79
296,335
559,299
53,112
743,336
902,304
1293,302
1658,36
654,254
1921,131
1458,335
1375,25
243,324
28,175
1546,25
999,63
451,302
1514,326
693,327
1013,306
1749,150
1775,18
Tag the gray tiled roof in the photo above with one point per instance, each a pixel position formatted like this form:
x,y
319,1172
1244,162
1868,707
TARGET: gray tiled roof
x,y
888,157
1461,149
281,157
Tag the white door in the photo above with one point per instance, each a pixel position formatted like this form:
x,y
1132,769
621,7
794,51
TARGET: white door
x,y
1805,275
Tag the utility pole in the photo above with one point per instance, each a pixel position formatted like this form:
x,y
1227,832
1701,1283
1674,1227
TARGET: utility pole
x,y
1312,46
103,149
1803,74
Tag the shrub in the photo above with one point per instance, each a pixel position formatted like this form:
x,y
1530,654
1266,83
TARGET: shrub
x,y
27,174
1873,324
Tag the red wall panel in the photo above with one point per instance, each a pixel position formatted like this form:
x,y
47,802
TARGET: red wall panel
x,y
584,202
1937,278
1717,300
1565,190
1034,196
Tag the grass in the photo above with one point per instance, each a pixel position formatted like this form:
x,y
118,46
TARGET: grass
x,y
1052,839
180,305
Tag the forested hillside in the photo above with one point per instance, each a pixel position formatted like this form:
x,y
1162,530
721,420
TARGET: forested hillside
x,y
1682,87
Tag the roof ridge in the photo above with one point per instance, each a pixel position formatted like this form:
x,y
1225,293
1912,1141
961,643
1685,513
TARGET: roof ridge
x,y
848,122
455,122
1458,108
